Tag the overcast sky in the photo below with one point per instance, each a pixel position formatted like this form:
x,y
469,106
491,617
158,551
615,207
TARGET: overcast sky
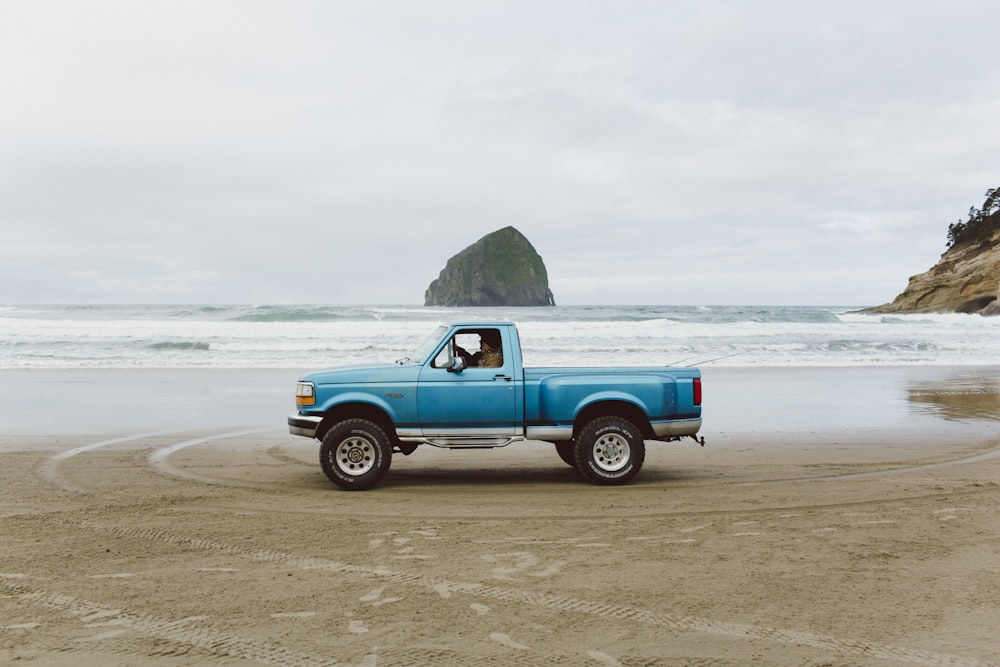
x,y
340,152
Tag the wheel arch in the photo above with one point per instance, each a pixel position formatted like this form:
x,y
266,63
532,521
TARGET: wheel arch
x,y
342,411
613,408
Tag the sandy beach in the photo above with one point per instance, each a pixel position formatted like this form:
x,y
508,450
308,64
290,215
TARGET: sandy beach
x,y
836,516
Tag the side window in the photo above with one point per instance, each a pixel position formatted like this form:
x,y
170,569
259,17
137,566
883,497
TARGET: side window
x,y
490,349
480,348
462,344
444,357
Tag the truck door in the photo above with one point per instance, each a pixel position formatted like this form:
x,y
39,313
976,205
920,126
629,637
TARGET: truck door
x,y
476,402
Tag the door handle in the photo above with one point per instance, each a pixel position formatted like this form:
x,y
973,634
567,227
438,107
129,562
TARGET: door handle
x,y
501,376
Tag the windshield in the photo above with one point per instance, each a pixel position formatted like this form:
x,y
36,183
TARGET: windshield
x,y
425,348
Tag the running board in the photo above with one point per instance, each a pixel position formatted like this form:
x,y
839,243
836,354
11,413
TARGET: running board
x,y
446,442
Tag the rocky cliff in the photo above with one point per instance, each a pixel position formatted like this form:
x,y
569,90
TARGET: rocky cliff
x,y
500,269
965,280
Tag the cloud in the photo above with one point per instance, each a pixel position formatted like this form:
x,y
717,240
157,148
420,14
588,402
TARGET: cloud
x,y
714,152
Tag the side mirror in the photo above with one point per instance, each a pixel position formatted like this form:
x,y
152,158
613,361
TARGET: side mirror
x,y
457,365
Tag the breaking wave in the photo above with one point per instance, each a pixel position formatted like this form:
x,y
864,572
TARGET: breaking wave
x,y
310,336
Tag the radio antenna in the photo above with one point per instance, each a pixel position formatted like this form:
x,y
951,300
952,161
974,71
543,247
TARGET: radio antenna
x,y
708,361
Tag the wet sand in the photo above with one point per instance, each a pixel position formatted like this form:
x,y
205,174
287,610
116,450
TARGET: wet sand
x,y
835,517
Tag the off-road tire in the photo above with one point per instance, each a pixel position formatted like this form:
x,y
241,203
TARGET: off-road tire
x,y
609,451
355,453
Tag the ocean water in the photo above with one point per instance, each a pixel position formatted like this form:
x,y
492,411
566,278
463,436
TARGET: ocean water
x,y
314,336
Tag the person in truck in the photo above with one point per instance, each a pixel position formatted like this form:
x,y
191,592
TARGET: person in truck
x,y
490,353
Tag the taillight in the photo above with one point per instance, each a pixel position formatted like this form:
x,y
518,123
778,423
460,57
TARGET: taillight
x,y
697,391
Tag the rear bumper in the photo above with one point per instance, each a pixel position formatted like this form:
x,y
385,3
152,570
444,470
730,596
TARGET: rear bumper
x,y
676,428
303,425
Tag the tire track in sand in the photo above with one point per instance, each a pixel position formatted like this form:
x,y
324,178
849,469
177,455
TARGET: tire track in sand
x,y
159,459
49,469
190,633
604,610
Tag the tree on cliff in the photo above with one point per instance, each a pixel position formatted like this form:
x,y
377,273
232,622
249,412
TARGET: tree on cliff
x,y
981,224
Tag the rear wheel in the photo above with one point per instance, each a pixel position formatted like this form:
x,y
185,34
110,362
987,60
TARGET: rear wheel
x,y
609,450
355,454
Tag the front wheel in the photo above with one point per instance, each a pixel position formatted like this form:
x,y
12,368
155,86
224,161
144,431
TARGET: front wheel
x,y
355,454
609,450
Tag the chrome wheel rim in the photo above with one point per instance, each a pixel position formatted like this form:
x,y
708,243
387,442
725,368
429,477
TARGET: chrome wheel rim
x,y
355,456
612,452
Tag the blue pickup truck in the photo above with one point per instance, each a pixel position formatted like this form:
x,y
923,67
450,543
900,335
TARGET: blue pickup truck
x,y
446,396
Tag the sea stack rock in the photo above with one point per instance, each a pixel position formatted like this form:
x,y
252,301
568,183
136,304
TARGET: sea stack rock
x,y
500,269
964,280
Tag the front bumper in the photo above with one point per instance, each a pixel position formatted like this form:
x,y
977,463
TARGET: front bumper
x,y
303,425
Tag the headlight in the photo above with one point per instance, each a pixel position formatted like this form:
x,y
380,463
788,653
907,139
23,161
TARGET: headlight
x,y
305,393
